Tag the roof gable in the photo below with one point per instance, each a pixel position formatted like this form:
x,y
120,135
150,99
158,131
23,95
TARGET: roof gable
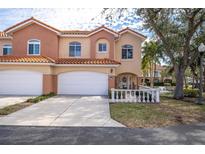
x,y
128,30
28,22
105,29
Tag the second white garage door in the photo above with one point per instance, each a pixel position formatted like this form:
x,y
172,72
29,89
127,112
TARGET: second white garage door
x,y
20,83
83,83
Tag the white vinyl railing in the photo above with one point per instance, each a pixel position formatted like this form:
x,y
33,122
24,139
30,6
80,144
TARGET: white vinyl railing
x,y
135,95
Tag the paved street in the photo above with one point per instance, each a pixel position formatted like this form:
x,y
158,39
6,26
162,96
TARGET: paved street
x,y
184,134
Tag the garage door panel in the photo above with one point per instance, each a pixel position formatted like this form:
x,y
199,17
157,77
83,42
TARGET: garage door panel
x,y
20,83
83,83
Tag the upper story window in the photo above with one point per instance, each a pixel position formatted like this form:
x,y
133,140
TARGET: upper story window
x,y
74,49
102,47
157,73
7,49
34,47
127,51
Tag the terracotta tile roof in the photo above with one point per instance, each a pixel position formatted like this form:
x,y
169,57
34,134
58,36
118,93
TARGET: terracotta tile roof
x,y
25,59
42,59
86,32
75,32
86,61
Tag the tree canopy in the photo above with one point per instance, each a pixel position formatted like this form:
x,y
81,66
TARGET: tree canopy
x,y
179,31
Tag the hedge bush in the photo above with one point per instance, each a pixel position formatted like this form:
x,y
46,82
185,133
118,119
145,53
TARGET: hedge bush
x,y
173,84
158,84
40,98
191,92
167,84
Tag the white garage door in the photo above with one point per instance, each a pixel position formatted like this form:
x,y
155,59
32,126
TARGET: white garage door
x,y
83,83
20,83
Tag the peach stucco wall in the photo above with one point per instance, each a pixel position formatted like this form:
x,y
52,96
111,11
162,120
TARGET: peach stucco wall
x,y
64,46
102,54
49,83
38,68
62,69
111,82
49,40
130,65
2,43
102,35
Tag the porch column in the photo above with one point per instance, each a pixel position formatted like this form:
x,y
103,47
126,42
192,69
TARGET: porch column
x,y
137,82
111,82
49,83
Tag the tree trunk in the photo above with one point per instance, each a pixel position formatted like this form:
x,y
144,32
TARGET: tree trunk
x,y
197,82
178,93
203,80
144,77
185,82
155,68
192,82
151,75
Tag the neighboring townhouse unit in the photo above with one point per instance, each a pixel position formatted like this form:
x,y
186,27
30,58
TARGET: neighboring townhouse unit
x,y
158,75
36,58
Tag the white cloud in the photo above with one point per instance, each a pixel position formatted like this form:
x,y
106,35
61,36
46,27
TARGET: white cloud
x,y
69,18
59,18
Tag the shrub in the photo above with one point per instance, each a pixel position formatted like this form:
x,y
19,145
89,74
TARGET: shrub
x,y
167,84
147,83
40,98
191,92
167,81
158,84
173,84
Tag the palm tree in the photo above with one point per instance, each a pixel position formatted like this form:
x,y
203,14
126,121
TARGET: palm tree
x,y
152,53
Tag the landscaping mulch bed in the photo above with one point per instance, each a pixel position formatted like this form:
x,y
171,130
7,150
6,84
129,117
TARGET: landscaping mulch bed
x,y
168,112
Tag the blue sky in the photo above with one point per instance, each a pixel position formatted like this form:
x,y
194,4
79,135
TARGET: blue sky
x,y
68,19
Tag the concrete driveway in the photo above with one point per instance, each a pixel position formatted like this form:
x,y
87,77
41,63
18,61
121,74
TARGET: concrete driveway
x,y
65,111
11,100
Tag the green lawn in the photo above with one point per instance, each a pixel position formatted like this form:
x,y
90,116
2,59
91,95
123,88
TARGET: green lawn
x,y
13,108
168,112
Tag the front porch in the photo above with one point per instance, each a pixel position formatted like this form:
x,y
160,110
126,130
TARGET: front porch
x,y
128,88
127,81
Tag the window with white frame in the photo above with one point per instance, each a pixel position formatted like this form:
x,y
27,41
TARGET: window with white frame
x,y
7,49
34,47
127,51
102,47
74,49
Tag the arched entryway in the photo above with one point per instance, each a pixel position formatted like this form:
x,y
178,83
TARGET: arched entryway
x,y
127,81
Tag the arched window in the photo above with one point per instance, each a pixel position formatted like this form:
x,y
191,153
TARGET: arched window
x,y
34,47
74,49
127,51
7,49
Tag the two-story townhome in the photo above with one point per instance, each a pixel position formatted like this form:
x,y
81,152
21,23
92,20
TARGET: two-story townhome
x,y
36,58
